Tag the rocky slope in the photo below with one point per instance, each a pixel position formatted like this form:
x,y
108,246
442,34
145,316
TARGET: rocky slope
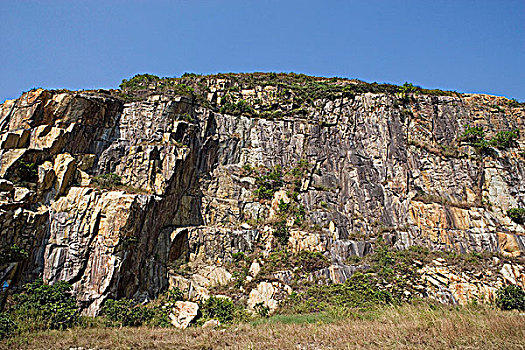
x,y
124,193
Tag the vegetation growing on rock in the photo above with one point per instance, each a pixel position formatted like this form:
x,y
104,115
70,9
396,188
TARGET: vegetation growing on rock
x,y
511,297
517,215
259,196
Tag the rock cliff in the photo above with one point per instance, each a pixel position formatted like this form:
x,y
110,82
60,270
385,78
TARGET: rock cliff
x,y
124,193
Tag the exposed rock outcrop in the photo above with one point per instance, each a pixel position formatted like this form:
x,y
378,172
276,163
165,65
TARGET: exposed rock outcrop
x,y
352,166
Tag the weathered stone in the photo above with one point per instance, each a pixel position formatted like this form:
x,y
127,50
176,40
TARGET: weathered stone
x,y
183,313
211,324
22,194
46,176
255,268
263,295
64,168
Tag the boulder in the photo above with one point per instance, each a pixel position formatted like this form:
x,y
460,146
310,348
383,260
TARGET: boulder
x,y
211,324
183,313
263,294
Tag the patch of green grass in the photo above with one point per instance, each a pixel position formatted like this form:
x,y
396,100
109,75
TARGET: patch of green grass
x,y
313,318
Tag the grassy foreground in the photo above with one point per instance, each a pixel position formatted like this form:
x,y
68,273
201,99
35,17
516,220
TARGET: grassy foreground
x,y
406,327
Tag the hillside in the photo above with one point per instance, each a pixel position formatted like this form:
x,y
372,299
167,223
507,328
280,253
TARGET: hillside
x,y
260,186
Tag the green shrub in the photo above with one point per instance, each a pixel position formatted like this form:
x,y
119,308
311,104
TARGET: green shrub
x,y
138,81
280,231
269,183
44,306
190,75
504,139
473,134
7,325
26,171
510,297
307,261
513,103
406,90
240,107
126,313
239,256
517,215
359,291
174,294
261,309
303,262
158,313
221,309
12,253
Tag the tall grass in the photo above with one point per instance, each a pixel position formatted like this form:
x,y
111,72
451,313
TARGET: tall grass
x,y
423,326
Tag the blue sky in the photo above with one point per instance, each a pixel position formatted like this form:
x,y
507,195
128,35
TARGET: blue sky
x,y
468,46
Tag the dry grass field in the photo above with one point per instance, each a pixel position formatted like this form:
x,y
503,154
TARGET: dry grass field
x,y
406,327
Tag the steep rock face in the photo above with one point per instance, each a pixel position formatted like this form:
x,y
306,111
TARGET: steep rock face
x,y
361,167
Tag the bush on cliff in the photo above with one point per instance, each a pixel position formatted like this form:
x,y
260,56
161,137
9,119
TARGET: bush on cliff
x,y
473,135
11,254
359,291
139,80
27,172
269,183
504,139
517,215
510,298
125,313
217,308
44,306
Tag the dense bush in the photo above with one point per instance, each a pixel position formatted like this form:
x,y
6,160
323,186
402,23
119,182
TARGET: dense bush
x,y
12,253
514,103
302,263
126,312
510,297
44,306
517,215
359,291
504,139
7,325
473,134
221,309
269,183
240,107
26,171
138,81
280,231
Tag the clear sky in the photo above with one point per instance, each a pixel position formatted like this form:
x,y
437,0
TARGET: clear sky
x,y
463,45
